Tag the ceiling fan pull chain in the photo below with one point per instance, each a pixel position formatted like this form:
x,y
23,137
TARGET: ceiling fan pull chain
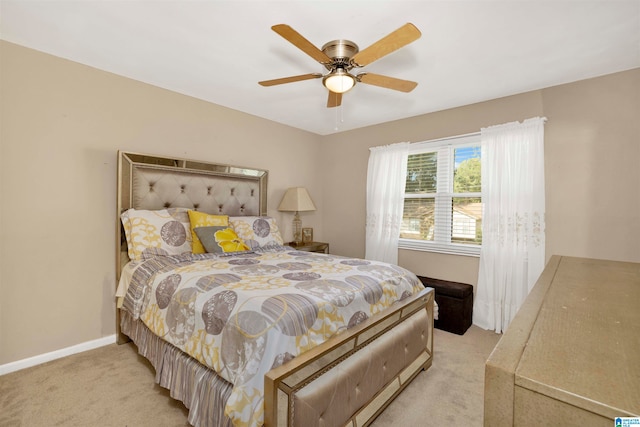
x,y
340,115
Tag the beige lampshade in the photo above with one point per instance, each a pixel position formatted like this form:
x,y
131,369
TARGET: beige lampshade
x,y
296,199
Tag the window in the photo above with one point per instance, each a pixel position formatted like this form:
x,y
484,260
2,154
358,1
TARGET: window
x,y
443,200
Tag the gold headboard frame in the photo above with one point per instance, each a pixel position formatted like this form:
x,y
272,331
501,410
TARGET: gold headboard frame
x,y
156,182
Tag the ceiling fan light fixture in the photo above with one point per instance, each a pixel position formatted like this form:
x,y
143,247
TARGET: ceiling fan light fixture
x,y
339,81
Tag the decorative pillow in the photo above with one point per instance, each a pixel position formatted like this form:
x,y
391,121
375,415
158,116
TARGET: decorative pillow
x,y
219,239
257,231
156,233
201,219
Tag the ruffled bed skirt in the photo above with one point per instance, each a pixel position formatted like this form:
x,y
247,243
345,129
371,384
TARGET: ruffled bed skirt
x,y
201,390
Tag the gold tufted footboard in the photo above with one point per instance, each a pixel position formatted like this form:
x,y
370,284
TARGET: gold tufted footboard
x,y
350,379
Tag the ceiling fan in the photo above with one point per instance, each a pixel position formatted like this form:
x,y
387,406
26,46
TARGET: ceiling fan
x,y
342,56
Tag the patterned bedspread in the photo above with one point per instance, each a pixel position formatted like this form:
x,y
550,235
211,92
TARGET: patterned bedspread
x,y
243,315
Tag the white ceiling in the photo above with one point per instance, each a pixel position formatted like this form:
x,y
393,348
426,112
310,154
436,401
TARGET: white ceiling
x,y
470,51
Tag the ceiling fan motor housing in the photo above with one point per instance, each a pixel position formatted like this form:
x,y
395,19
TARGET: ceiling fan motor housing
x,y
341,52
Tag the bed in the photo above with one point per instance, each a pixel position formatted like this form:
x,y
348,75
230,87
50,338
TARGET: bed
x,y
249,331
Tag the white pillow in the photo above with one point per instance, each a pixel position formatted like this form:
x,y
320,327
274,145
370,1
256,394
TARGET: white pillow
x,y
156,233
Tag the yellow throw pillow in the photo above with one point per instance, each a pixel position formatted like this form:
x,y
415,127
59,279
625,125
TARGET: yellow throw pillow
x,y
201,219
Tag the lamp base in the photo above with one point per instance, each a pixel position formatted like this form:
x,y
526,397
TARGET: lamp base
x,y
297,229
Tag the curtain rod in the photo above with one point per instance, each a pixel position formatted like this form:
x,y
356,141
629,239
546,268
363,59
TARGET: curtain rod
x,y
449,138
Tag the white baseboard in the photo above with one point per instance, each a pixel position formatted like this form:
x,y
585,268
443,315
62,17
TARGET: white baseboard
x,y
47,357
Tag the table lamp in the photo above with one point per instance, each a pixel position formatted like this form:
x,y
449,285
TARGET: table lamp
x,y
296,199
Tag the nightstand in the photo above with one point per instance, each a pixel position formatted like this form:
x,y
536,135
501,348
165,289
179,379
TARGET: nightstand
x,y
311,247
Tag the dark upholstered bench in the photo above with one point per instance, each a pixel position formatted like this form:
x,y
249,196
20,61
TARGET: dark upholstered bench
x,y
455,304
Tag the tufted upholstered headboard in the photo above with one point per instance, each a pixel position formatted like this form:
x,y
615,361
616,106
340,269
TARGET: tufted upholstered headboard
x,y
152,182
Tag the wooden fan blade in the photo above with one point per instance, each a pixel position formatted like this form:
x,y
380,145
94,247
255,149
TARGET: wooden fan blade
x,y
390,43
387,82
335,99
290,79
295,38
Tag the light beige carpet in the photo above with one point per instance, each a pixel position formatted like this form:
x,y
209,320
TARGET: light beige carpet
x,y
451,392
114,386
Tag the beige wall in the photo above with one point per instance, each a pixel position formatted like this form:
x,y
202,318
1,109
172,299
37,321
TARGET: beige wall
x,y
62,123
592,167
61,126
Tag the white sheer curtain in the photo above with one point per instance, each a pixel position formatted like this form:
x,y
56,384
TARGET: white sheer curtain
x,y
512,255
386,177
